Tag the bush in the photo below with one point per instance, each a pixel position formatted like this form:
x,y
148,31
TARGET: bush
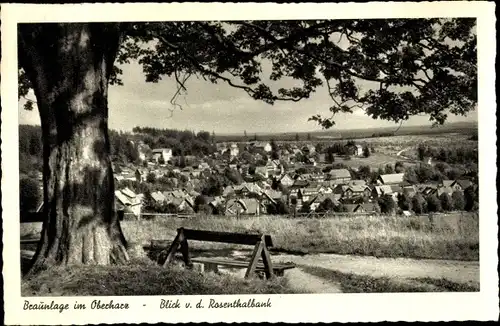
x,y
399,167
29,194
151,177
470,199
404,202
458,200
419,204
326,206
386,204
366,151
433,204
446,202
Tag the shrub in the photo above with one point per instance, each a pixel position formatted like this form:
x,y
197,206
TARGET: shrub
x,y
433,204
419,204
446,202
366,151
399,167
151,177
404,202
458,200
386,204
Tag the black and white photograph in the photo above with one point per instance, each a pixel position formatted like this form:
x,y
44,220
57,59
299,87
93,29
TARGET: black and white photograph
x,y
267,158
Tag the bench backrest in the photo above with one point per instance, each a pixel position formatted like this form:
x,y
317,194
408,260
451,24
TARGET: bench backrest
x,y
225,237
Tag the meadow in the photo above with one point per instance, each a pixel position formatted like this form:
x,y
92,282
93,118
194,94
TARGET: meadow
x,y
445,236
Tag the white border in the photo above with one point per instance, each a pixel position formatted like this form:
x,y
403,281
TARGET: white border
x,y
286,308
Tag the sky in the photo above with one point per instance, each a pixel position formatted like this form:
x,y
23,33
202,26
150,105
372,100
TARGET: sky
x,y
221,109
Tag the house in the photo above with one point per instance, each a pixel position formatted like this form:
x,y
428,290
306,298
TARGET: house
x,y
317,200
250,206
390,179
311,161
216,202
306,194
352,191
128,175
448,190
447,183
366,208
379,191
321,158
396,189
300,184
119,177
270,197
357,183
309,149
286,180
265,146
339,175
409,191
158,197
234,150
274,167
181,204
427,189
246,188
349,208
318,177
273,194
233,207
462,184
356,150
141,175
165,153
128,201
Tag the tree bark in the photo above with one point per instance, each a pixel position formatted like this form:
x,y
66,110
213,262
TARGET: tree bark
x,y
69,66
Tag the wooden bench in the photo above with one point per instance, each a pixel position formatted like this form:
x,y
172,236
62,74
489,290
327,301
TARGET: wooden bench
x,y
260,242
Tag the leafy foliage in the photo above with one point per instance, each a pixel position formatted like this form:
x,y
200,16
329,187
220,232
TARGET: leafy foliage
x,y
29,194
413,66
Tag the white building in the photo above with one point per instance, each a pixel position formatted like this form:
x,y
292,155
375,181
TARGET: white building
x,y
234,150
166,153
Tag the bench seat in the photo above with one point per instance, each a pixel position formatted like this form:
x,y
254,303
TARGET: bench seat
x,y
210,263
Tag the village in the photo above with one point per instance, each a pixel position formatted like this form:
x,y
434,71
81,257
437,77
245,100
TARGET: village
x,y
276,179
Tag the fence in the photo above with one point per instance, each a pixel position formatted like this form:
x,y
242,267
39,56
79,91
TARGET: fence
x,y
38,217
297,215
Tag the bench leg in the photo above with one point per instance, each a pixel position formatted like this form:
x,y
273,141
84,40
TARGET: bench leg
x,y
279,273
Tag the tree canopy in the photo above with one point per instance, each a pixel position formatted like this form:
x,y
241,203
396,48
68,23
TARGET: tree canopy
x,y
413,66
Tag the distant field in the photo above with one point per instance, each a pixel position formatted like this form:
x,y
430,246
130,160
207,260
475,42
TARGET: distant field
x,y
335,134
375,160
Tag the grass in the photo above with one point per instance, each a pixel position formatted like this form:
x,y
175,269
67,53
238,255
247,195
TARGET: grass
x,y
452,236
352,283
374,161
142,277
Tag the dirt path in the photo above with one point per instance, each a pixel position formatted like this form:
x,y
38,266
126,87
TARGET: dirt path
x,y
401,269
305,278
302,281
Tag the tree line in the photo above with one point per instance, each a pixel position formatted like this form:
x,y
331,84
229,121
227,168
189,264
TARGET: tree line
x,y
456,155
182,142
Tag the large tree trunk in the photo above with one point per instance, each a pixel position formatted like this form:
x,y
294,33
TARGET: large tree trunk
x,y
69,66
